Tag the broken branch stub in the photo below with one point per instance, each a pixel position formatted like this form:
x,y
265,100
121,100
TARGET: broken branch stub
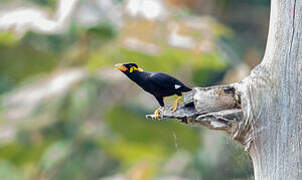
x,y
216,107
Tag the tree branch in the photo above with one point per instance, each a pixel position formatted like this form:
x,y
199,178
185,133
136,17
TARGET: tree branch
x,y
216,107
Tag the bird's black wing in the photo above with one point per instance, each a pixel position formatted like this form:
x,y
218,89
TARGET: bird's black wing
x,y
164,80
167,85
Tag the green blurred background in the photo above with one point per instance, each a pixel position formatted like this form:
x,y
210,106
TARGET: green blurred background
x,y
65,113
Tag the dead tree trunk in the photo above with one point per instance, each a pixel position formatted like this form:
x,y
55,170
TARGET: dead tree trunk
x,y
276,97
263,112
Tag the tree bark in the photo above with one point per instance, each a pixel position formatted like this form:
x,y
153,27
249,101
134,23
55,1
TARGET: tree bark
x,y
262,112
275,97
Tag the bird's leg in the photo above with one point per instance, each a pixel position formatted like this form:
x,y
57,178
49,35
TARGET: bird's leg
x,y
157,113
174,107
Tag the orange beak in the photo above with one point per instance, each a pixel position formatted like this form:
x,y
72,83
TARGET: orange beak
x,y
120,67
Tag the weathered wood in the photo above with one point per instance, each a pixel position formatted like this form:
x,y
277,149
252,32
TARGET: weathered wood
x,y
274,96
216,107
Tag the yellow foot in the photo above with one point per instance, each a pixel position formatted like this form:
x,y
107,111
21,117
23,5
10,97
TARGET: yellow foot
x,y
156,114
174,107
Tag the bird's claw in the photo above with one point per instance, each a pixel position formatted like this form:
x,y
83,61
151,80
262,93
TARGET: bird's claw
x,y
175,105
156,114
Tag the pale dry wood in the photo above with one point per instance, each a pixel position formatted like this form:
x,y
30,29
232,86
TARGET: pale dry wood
x,y
216,107
275,97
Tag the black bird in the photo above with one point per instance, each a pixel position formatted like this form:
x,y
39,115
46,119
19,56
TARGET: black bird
x,y
158,84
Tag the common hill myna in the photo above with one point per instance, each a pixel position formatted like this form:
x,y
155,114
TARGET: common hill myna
x,y
158,84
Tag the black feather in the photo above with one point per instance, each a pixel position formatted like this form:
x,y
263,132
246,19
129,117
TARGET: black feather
x,y
159,85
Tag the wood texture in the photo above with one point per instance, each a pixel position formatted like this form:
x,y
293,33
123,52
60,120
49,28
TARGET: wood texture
x,y
274,95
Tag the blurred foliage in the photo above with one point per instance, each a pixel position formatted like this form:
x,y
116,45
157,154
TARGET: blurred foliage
x,y
230,166
95,129
255,2
8,39
142,134
27,62
48,4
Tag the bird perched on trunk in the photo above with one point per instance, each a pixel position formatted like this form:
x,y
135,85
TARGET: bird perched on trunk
x,y
158,84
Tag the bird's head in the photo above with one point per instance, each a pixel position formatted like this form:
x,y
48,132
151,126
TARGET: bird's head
x,y
128,68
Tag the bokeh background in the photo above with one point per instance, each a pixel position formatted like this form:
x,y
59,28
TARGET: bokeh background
x,y
65,113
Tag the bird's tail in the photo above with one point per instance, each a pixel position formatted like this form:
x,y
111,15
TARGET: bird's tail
x,y
186,89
